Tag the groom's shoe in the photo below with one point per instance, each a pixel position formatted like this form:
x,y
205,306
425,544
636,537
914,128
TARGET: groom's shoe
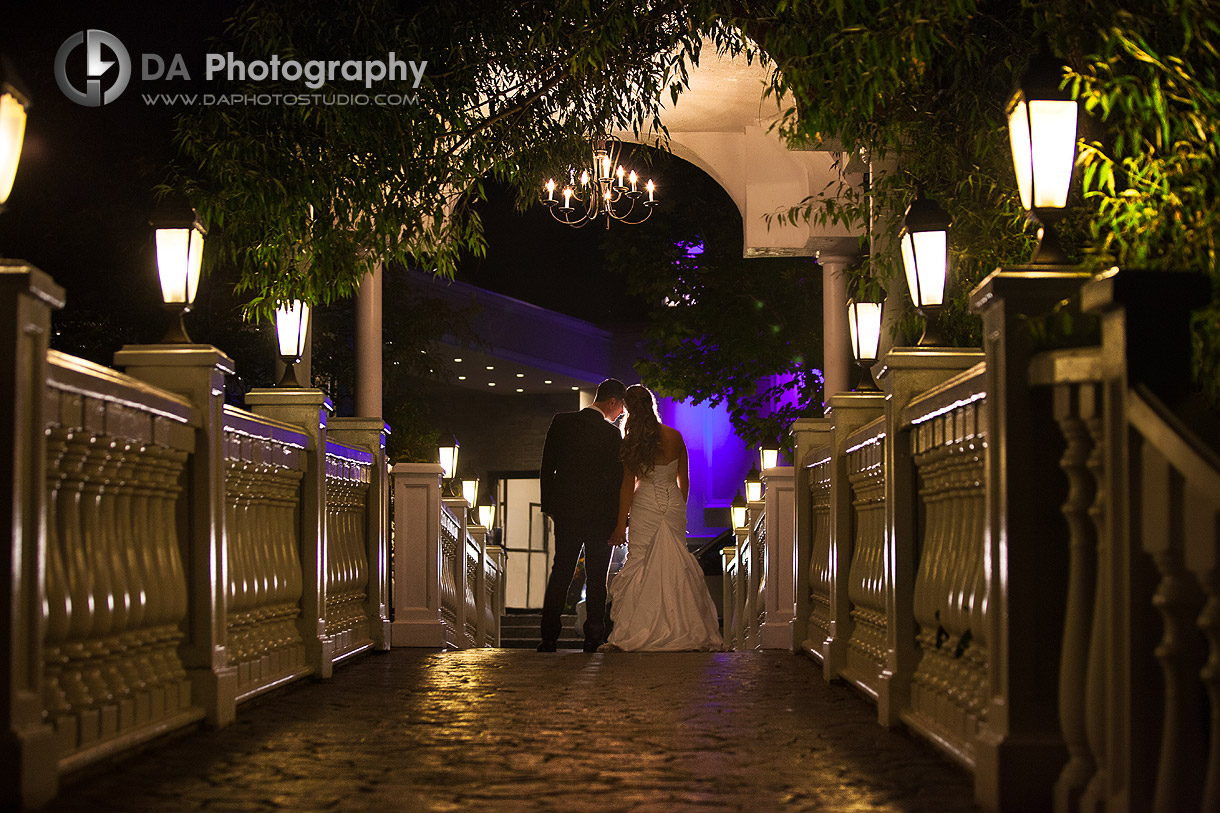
x,y
547,646
591,646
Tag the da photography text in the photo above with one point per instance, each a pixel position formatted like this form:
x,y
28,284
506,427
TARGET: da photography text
x,y
108,71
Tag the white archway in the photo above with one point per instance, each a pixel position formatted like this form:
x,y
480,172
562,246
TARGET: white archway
x,y
723,124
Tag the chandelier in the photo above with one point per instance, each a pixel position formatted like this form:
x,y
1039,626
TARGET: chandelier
x,y
604,190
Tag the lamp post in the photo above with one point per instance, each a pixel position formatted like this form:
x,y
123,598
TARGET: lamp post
x,y
291,330
737,508
179,238
864,325
1042,123
754,486
14,102
925,258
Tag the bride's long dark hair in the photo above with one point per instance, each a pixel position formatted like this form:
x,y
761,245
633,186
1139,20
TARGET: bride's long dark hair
x,y
642,442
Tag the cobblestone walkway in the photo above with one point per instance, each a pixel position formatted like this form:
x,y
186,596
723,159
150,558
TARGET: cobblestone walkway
x,y
520,730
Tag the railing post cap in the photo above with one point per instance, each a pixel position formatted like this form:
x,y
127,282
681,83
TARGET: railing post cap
x,y
1027,289
20,275
174,355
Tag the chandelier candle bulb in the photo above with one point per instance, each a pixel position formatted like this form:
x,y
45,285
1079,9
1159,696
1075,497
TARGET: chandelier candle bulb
x,y
634,179
651,187
550,190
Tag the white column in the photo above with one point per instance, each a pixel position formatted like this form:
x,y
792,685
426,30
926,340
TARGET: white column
x,y
837,358
368,346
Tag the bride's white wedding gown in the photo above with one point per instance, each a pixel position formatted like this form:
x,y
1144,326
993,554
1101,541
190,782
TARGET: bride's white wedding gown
x,y
659,600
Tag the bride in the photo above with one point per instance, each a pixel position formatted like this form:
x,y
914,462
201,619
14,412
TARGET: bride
x,y
659,600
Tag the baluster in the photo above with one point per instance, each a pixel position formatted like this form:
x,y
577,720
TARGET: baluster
x,y
128,565
1096,724
58,600
1178,600
1209,624
104,682
77,680
1082,570
149,559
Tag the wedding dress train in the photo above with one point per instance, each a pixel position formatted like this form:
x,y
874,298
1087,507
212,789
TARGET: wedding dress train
x,y
659,600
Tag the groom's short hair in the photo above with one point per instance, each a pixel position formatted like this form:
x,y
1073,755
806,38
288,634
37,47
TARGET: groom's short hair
x,y
610,388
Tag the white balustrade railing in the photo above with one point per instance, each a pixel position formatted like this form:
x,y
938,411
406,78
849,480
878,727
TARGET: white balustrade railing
x,y
819,568
730,596
349,473
265,462
949,686
115,584
449,581
866,575
171,556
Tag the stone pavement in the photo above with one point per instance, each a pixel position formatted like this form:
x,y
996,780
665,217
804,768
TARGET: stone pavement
x,y
519,730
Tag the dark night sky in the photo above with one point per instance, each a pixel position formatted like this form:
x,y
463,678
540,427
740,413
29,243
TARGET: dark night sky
x,y
83,195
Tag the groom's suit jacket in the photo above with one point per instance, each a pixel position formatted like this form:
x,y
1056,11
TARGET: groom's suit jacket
x,y
581,472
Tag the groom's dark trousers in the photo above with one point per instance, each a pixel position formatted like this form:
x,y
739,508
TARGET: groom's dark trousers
x,y
580,480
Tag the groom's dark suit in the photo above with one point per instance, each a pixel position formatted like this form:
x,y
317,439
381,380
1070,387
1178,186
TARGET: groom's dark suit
x,y
580,478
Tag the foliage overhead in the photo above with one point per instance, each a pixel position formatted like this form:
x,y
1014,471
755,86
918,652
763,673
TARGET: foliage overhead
x,y
916,89
307,197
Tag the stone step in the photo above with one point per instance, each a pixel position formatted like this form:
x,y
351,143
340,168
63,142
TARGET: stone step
x,y
521,630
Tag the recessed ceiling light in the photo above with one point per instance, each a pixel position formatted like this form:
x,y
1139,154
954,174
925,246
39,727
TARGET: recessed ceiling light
x,y
461,378
576,388
457,361
520,375
520,390
548,381
491,367
491,383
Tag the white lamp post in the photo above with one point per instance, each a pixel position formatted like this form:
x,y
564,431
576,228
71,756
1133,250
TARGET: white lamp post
x,y
925,258
864,325
179,237
1042,123
291,331
14,102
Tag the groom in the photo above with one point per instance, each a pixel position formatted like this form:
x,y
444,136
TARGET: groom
x,y
580,478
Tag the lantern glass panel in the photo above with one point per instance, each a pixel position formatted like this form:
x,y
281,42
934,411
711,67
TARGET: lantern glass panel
x,y
179,259
12,133
925,259
470,491
864,324
768,458
1053,127
487,515
291,327
448,459
1022,151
